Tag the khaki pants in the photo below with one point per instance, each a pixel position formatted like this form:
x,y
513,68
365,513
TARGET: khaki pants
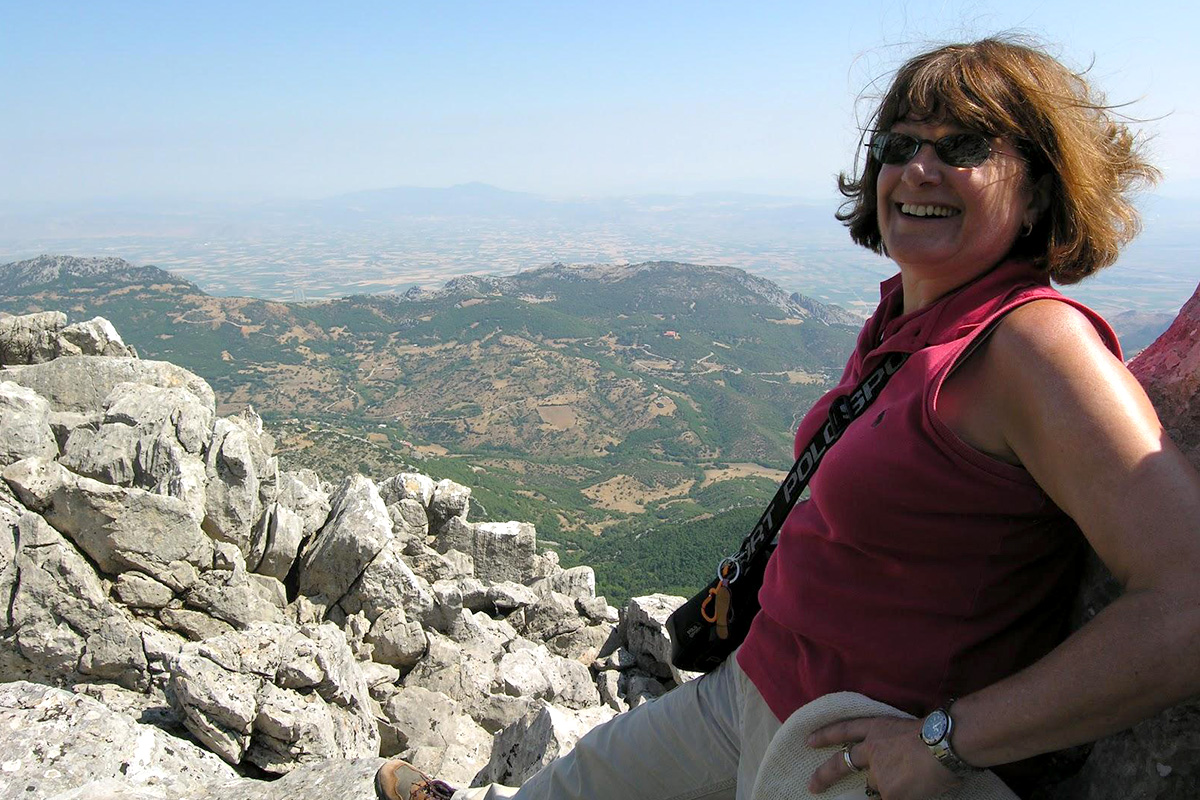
x,y
704,739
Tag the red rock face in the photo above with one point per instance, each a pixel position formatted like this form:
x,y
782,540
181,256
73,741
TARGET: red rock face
x,y
1169,370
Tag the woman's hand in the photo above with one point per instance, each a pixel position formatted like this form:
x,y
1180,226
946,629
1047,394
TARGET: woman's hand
x,y
898,764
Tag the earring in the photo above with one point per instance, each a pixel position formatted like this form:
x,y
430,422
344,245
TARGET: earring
x,y
1026,229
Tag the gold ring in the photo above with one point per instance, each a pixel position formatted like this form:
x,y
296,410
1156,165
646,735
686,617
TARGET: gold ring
x,y
850,761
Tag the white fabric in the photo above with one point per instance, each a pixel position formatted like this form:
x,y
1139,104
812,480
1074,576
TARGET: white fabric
x,y
702,740
789,762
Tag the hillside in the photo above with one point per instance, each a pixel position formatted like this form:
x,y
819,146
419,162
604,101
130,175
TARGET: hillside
x,y
615,399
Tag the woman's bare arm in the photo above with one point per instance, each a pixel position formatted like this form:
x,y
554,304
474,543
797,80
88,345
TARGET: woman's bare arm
x,y
1075,417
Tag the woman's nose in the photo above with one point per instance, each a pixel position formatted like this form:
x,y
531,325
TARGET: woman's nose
x,y
925,167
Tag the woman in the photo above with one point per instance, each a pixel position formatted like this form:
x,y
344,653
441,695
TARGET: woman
x,y
940,548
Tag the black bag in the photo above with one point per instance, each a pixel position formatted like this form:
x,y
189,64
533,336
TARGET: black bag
x,y
711,625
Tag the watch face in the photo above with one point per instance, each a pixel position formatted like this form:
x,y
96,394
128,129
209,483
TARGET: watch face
x,y
933,730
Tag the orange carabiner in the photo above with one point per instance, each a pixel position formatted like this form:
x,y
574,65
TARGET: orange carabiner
x,y
707,602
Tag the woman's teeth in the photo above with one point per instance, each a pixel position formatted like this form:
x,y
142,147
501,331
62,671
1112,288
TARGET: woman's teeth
x,y
927,211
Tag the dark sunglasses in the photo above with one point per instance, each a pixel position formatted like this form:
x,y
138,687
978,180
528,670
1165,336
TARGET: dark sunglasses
x,y
955,150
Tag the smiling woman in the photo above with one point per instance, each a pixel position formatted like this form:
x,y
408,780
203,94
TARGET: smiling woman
x,y
939,551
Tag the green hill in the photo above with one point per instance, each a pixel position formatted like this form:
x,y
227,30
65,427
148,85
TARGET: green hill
x,y
638,415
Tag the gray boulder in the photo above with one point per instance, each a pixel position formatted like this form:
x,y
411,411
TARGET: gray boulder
x,y
25,430
450,501
30,338
119,528
357,530
232,501
644,623
431,732
58,620
96,337
276,541
501,551
81,383
55,741
386,579
301,492
275,696
413,486
535,740
397,640
150,438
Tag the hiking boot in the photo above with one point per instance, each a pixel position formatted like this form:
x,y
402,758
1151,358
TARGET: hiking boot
x,y
399,780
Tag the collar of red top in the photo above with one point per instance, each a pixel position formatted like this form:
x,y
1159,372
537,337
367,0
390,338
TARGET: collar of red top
x,y
952,315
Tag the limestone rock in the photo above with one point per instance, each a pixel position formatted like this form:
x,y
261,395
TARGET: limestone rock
x,y
537,673
537,739
96,337
54,741
24,425
232,501
397,640
409,518
430,731
358,529
275,696
234,597
141,591
118,528
644,621
302,493
507,596
501,551
386,579
552,615
31,338
576,582
149,437
80,383
584,644
277,541
450,500
413,486
60,619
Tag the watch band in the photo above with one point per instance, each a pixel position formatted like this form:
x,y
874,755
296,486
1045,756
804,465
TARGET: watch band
x,y
941,747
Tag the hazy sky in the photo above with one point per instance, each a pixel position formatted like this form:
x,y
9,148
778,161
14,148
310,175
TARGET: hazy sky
x,y
298,99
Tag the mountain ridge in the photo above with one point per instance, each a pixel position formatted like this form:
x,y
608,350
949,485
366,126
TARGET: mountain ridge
x,y
627,398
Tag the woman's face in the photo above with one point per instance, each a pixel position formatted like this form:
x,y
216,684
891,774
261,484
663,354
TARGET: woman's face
x,y
941,221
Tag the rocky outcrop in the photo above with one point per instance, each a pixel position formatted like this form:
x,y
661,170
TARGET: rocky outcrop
x,y
181,617
34,338
1158,759
1169,370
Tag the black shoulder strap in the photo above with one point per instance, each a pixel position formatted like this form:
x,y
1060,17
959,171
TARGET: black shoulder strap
x,y
842,412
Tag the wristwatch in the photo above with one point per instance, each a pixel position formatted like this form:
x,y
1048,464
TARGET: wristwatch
x,y
935,733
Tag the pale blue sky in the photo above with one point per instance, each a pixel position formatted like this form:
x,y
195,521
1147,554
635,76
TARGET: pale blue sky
x,y
299,99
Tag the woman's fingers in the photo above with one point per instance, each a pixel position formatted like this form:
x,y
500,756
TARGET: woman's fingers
x,y
836,767
848,730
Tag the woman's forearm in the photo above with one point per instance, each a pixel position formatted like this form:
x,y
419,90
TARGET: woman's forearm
x,y
1137,657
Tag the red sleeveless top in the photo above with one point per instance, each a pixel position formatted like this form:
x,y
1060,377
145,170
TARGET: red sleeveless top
x,y
920,569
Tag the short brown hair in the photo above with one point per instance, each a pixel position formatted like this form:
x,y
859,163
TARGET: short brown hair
x,y
1006,87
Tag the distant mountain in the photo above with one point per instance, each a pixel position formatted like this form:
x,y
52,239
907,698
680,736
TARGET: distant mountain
x,y
620,395
70,271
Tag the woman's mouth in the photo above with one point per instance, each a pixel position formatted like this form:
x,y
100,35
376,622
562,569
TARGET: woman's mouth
x,y
924,210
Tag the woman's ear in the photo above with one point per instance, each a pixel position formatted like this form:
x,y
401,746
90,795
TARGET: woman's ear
x,y
1039,200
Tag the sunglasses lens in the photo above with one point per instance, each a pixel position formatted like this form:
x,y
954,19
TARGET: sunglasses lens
x,y
894,148
963,149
